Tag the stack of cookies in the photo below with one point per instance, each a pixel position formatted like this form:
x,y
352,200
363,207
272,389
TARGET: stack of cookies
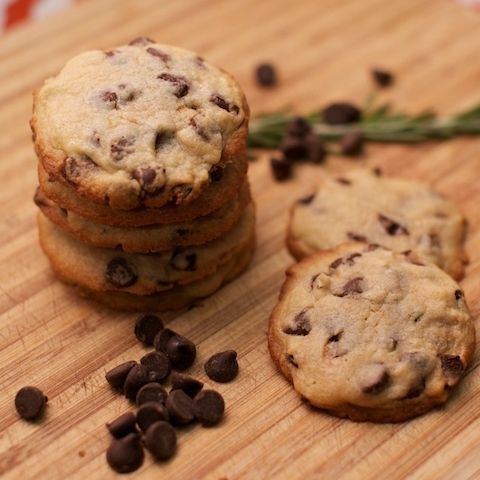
x,y
144,201
370,325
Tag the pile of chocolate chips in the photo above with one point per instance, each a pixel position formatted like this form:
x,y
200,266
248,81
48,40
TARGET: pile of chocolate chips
x,y
159,411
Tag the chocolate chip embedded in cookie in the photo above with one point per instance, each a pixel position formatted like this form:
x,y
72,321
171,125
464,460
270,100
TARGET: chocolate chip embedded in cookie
x,y
365,333
398,214
142,124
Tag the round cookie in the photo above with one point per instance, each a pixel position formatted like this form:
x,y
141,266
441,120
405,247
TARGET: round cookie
x,y
153,238
109,270
216,195
398,214
370,334
141,124
179,296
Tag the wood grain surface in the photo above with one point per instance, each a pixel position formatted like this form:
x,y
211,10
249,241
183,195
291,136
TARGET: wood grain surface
x,y
52,339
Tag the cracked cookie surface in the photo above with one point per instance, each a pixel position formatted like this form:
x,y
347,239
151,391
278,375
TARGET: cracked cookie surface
x,y
397,214
141,124
369,334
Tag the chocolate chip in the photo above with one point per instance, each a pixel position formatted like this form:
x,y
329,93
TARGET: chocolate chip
x,y
208,407
141,41
110,98
294,148
116,376
188,384
184,263
392,227
377,379
151,392
416,390
181,352
180,407
158,53
336,337
315,148
216,173
350,259
458,294
341,113
281,169
302,324
291,360
120,273
356,236
222,367
199,129
121,147
181,192
353,286
306,200
383,78
161,339
73,168
147,327
144,175
313,279
377,171
123,425
151,412
158,363
30,402
219,101
452,367
266,75
298,127
136,379
180,83
352,143
161,440
160,139
343,181
336,263
125,454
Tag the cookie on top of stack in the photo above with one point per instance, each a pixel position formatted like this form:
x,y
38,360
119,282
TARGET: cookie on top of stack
x,y
144,200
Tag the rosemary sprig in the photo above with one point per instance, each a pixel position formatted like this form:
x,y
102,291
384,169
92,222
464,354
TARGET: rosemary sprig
x,y
378,124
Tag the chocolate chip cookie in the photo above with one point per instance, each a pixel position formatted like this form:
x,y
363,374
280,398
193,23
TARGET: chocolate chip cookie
x,y
152,238
370,334
142,124
109,270
398,214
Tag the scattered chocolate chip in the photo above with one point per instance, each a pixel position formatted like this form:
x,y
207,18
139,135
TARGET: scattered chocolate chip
x,y
350,259
189,385
266,75
144,175
298,127
147,327
110,98
216,173
352,143
123,425
73,168
120,273
392,227
377,379
141,41
341,113
291,360
208,407
121,147
110,53
157,363
125,454
302,325
306,200
383,78
219,101
151,412
377,171
180,407
161,440
116,376
458,294
222,367
181,352
158,53
356,237
281,169
336,263
151,392
136,379
161,339
336,337
30,402
418,317
353,286
313,279
294,148
199,129
452,367
180,83
315,148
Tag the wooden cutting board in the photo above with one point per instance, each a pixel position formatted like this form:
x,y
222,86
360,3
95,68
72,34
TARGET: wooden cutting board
x,y
51,338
